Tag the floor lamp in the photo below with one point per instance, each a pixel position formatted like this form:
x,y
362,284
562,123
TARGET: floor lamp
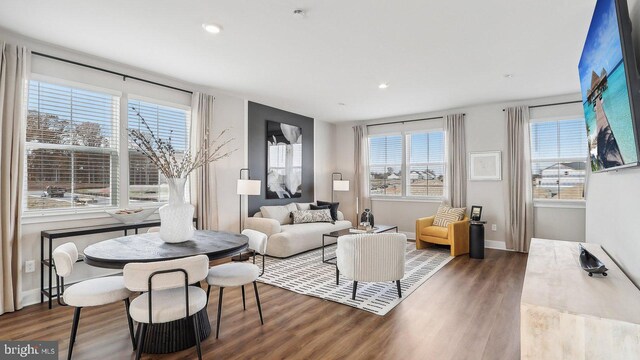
x,y
246,187
338,184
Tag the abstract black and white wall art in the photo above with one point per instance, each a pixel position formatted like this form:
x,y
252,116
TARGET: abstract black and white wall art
x,y
280,147
284,160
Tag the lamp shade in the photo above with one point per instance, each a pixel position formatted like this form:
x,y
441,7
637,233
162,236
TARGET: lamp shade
x,y
340,185
249,187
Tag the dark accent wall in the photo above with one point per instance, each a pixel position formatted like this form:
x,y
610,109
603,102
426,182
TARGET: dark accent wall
x,y
258,114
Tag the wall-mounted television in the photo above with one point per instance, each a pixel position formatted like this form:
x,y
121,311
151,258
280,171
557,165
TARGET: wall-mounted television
x,y
610,88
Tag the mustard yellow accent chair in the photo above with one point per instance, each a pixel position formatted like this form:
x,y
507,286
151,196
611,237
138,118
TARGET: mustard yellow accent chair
x,y
455,234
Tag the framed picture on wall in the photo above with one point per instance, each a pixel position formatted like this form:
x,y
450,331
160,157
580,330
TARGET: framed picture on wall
x,y
485,166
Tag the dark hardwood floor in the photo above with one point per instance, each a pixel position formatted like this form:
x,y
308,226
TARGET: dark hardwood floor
x,y
470,309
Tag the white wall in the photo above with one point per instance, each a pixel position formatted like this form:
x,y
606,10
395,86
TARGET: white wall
x,y
485,130
612,203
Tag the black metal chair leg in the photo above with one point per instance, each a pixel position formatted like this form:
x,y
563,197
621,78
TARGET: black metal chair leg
x,y
337,276
196,331
219,312
143,334
262,273
208,291
244,305
355,286
74,331
255,288
399,289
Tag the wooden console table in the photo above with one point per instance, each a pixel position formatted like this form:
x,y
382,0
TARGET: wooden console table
x,y
565,314
51,235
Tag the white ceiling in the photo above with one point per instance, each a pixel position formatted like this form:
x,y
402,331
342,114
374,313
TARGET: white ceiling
x,y
435,54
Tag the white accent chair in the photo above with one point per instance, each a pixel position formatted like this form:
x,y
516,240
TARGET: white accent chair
x,y
92,292
167,295
371,258
239,274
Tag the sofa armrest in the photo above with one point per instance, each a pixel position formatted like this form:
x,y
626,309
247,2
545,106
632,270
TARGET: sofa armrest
x,y
264,225
340,215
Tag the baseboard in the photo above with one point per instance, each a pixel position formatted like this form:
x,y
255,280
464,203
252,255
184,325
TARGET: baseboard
x,y
30,297
497,245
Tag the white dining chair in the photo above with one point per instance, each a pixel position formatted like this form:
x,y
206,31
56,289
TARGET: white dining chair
x,y
239,274
92,292
153,229
167,295
371,258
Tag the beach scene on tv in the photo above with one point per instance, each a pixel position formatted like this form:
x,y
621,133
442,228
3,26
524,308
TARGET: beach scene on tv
x,y
605,93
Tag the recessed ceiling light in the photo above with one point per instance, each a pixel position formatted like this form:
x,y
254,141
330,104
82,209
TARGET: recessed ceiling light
x,y
300,13
212,28
342,104
383,86
508,76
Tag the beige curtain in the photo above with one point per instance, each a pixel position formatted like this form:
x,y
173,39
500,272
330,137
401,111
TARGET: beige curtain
x,y
203,180
14,68
456,172
518,184
361,166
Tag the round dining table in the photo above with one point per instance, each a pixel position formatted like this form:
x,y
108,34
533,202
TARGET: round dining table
x,y
116,253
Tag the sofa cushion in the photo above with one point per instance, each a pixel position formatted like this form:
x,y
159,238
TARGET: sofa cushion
x,y
436,231
334,208
311,216
281,213
297,238
304,206
446,215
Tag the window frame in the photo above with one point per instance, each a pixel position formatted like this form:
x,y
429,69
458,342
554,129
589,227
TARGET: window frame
x,y
405,196
31,216
557,203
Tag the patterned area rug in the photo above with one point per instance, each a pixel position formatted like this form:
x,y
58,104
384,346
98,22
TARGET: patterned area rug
x,y
307,274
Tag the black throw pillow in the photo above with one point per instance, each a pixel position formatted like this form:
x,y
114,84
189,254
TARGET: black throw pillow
x,y
333,208
317,207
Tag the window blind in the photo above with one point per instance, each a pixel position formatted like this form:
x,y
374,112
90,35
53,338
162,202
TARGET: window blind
x,y
71,147
146,183
558,159
385,165
426,164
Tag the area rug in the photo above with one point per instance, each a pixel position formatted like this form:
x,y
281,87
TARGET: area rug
x,y
306,274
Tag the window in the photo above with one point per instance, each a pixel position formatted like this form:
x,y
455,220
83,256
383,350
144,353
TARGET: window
x,y
558,159
146,183
418,154
385,165
71,147
426,164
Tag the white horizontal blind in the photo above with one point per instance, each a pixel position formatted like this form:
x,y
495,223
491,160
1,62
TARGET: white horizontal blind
x,y
558,159
71,148
146,183
385,165
425,152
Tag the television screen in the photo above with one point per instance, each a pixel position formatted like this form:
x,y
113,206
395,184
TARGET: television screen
x,y
606,88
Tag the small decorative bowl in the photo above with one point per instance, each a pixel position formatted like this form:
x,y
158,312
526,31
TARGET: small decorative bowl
x,y
131,216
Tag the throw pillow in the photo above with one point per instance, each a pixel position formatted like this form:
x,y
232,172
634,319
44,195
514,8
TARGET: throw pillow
x,y
303,206
311,216
316,207
446,215
280,213
334,208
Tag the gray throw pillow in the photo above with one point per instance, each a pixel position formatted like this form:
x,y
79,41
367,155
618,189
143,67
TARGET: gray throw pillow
x,y
311,216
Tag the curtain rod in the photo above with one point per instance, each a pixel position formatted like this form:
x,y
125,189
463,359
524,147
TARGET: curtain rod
x,y
554,104
124,76
407,121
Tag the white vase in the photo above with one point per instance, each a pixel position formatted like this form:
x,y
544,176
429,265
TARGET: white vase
x,y
176,217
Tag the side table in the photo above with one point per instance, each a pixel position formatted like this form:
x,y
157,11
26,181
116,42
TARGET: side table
x,y
476,239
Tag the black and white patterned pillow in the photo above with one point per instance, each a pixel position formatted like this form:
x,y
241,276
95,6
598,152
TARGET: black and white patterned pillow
x,y
311,216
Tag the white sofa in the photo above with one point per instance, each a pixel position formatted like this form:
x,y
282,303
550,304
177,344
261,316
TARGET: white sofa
x,y
287,239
